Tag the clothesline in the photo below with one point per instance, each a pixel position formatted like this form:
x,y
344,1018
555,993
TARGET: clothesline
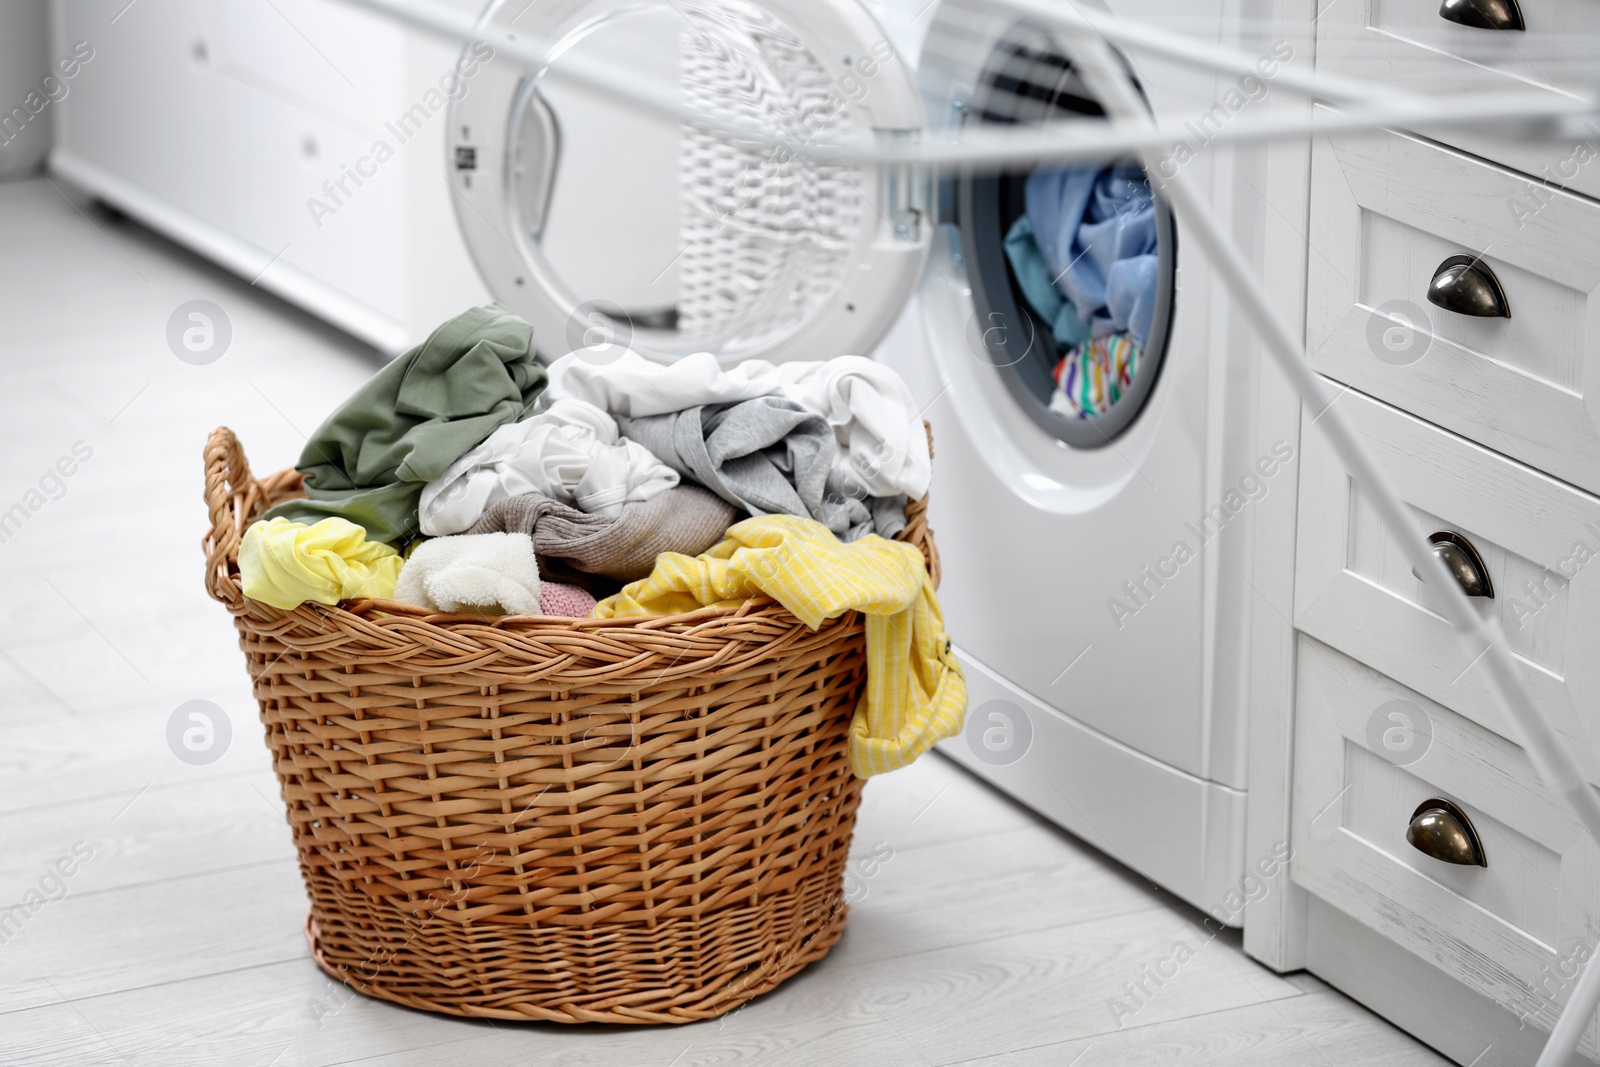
x,y
1534,115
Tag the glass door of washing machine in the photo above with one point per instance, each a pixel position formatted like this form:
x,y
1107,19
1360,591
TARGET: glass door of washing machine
x,y
611,194
1072,267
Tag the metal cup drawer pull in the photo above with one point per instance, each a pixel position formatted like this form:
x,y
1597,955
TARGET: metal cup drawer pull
x,y
1483,14
1442,830
1463,563
1466,286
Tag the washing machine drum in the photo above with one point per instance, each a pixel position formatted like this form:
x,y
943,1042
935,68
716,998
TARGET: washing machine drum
x,y
1072,269
611,225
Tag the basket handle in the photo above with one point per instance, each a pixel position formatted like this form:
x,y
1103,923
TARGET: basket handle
x,y
232,496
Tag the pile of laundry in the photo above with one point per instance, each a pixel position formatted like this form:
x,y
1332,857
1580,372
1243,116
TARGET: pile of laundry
x,y
467,478
1084,253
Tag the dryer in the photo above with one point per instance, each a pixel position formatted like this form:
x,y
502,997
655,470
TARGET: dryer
x,y
1092,597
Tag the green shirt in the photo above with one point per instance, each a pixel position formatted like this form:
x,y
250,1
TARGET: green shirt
x,y
370,460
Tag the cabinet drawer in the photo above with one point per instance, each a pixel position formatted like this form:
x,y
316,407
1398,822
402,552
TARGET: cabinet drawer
x,y
1387,211
328,58
145,108
1539,540
1407,44
352,238
1514,930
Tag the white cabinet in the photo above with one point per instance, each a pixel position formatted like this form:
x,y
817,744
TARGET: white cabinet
x,y
146,105
335,59
358,247
294,141
1489,428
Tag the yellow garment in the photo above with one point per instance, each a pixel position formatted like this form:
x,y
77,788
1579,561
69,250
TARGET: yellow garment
x,y
285,563
915,692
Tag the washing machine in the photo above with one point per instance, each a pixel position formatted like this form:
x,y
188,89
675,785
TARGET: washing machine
x,y
1091,588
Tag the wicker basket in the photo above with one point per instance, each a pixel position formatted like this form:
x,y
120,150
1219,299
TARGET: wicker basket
x,y
568,820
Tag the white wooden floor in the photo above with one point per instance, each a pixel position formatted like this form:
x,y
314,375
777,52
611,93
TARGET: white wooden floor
x,y
989,937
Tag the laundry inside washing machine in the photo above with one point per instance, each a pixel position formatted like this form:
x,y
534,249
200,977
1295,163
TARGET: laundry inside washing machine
x,y
1072,265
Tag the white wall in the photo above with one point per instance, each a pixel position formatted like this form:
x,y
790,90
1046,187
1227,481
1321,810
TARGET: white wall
x,y
25,105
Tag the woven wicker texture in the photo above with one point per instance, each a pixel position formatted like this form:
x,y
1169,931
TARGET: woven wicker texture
x,y
767,234
570,820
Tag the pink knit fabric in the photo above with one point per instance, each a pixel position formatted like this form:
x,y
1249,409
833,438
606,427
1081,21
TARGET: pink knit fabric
x,y
566,600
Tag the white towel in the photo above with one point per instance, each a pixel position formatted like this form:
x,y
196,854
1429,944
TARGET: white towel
x,y
570,452
492,573
883,450
634,387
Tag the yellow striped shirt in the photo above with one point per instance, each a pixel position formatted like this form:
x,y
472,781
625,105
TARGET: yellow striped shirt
x,y
915,693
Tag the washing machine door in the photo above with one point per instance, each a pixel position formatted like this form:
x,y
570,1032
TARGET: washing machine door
x,y
1082,373
608,224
